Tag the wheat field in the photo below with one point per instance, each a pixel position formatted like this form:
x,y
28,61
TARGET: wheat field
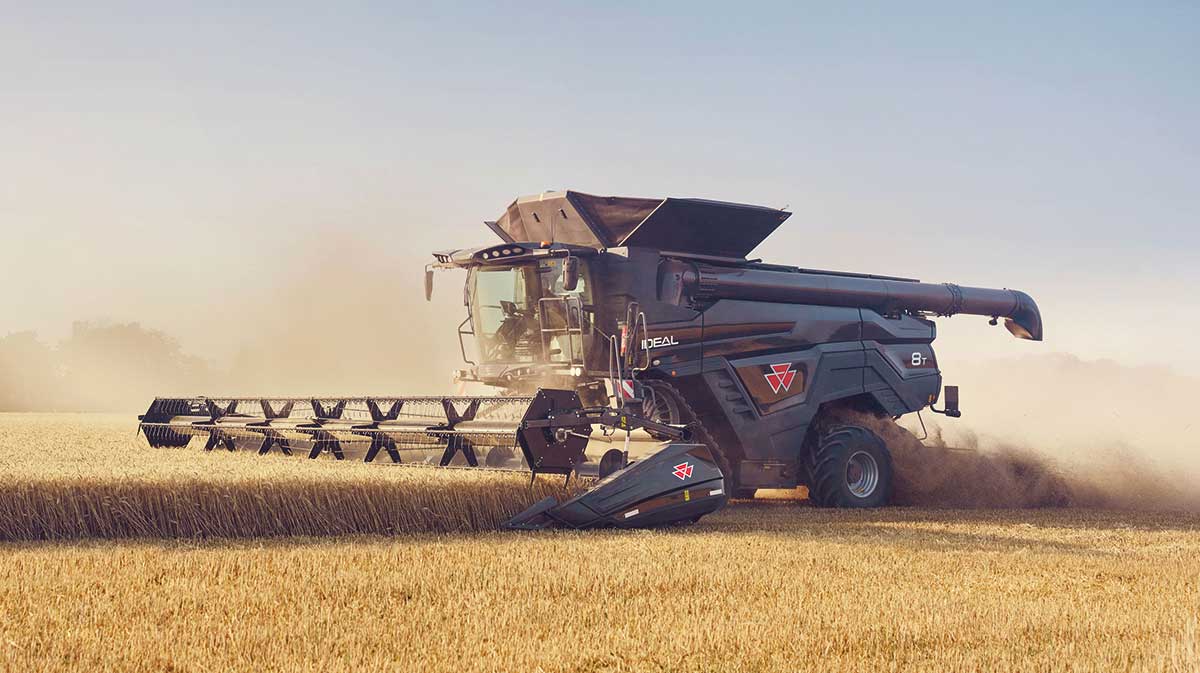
x,y
764,586
88,476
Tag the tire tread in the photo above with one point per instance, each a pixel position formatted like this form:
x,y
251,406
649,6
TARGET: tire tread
x,y
824,465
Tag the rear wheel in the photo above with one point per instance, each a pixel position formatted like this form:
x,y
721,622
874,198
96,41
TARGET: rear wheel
x,y
849,467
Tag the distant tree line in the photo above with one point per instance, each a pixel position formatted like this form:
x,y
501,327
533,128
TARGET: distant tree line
x,y
98,367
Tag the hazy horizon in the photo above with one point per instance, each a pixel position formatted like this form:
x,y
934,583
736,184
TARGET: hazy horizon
x,y
234,176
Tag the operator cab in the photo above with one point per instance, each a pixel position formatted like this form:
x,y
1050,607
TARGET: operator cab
x,y
523,313
530,311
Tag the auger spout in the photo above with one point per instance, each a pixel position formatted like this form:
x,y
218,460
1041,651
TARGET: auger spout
x,y
687,282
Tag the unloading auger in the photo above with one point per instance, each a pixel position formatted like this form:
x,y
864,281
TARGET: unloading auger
x,y
678,482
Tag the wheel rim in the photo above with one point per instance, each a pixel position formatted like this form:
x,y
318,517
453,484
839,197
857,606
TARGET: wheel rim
x,y
659,407
862,474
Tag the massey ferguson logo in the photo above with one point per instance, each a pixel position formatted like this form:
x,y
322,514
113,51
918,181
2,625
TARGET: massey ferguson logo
x,y
780,377
683,470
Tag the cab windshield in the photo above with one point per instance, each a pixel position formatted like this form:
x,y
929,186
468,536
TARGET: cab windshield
x,y
519,314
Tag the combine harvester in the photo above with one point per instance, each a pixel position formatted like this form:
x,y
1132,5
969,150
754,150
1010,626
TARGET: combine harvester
x,y
644,316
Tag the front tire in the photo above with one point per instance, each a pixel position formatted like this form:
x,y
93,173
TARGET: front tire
x,y
850,467
666,404
612,461
498,456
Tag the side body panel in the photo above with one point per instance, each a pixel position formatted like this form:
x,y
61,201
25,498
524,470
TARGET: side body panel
x,y
758,373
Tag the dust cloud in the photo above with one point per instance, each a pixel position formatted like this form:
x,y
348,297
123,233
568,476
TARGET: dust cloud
x,y
976,474
350,320
1055,430
341,318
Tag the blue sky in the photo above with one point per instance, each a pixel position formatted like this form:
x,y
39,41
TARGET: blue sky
x,y
1054,149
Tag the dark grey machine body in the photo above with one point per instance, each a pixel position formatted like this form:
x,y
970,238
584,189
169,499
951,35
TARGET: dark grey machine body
x,y
719,349
759,352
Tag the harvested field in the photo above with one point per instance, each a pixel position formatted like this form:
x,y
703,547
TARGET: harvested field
x,y
73,476
763,586
759,587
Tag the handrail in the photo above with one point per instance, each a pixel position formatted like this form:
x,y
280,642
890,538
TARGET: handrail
x,y
462,347
569,303
614,370
645,341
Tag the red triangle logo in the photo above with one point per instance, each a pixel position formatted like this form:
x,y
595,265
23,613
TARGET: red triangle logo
x,y
780,377
683,470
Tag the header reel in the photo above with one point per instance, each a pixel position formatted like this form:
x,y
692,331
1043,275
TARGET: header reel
x,y
551,429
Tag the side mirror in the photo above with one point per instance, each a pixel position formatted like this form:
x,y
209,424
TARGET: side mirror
x,y
570,274
952,402
428,284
